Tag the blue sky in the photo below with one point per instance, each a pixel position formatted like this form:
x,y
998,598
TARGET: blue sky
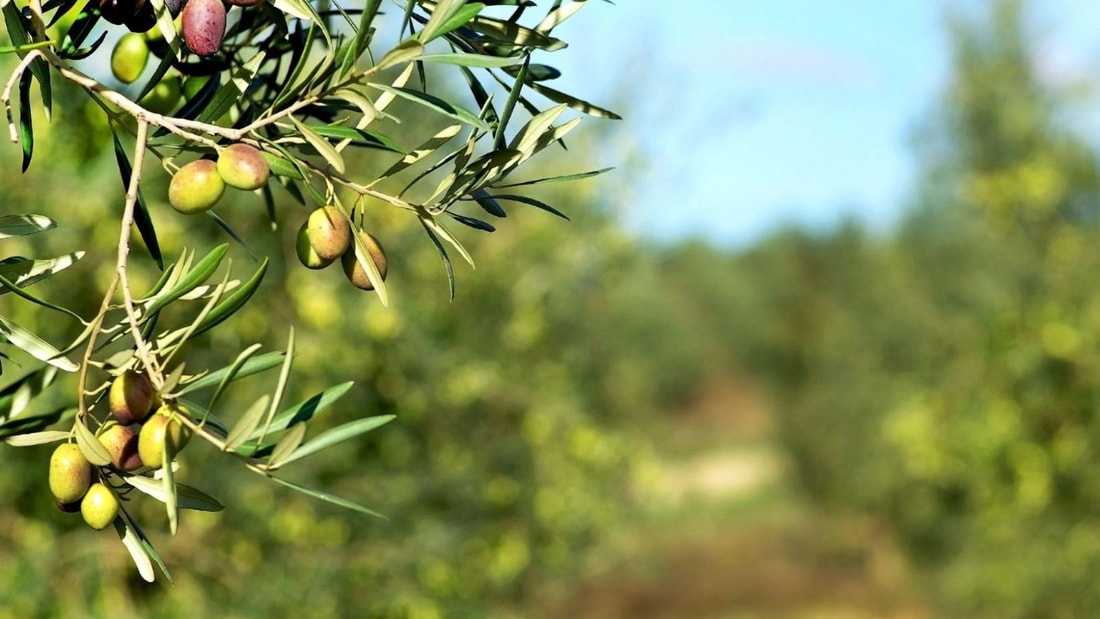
x,y
748,114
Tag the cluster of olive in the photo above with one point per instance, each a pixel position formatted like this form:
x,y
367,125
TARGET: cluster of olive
x,y
198,185
135,436
202,23
326,236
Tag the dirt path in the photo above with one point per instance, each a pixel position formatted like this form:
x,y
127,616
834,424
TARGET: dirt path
x,y
733,541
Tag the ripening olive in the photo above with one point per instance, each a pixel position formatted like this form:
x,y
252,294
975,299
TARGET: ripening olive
x,y
99,507
162,431
122,443
329,232
70,473
354,271
306,254
131,397
196,187
203,24
243,167
128,58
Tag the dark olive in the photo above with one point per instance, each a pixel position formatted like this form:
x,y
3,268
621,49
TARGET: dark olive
x,y
354,271
203,25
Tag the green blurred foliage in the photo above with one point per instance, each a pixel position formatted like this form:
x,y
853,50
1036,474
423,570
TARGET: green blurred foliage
x,y
946,376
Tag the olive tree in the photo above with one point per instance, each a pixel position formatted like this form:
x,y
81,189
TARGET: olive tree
x,y
256,96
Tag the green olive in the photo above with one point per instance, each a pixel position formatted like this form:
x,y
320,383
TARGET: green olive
x,y
354,271
306,254
196,187
70,473
129,57
131,397
242,166
99,507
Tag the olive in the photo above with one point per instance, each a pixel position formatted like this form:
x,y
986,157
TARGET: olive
x,y
122,443
99,507
196,187
242,166
131,397
70,473
129,57
118,11
203,25
162,431
329,232
354,271
306,254
143,20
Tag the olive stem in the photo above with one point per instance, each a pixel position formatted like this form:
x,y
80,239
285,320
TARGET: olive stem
x,y
127,223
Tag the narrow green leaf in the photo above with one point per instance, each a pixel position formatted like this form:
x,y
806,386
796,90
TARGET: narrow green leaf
x,y
298,8
286,445
199,274
7,285
531,202
90,446
15,397
359,137
558,15
133,543
422,151
280,387
487,202
187,497
528,136
247,425
281,167
22,225
432,224
231,374
514,34
471,60
458,19
305,410
23,272
405,51
142,219
35,346
578,104
254,365
37,438
555,179
168,482
26,120
24,425
436,104
321,145
336,435
230,94
324,496
473,222
446,259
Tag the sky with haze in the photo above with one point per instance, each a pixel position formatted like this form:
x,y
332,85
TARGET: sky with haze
x,y
749,114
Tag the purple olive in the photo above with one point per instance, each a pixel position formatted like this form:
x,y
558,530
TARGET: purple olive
x,y
203,24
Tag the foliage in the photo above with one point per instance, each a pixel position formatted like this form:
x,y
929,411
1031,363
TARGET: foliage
x,y
306,86
944,377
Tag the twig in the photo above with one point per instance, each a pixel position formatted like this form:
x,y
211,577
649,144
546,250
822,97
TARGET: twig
x,y
143,352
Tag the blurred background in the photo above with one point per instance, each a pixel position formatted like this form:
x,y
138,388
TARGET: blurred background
x,y
823,345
